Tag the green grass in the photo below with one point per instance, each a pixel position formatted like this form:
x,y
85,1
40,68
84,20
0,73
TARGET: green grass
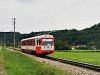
x,y
80,56
17,64
77,50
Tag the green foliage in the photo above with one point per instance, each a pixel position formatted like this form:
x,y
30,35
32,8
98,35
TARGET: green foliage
x,y
89,36
90,56
17,64
63,38
61,45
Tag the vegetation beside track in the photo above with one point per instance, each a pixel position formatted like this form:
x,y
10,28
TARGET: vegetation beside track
x,y
17,64
77,51
2,71
90,57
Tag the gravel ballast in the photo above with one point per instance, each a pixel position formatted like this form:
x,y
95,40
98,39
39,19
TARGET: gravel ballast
x,y
74,70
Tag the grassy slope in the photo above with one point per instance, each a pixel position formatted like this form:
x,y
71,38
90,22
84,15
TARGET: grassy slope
x,y
87,57
17,64
2,71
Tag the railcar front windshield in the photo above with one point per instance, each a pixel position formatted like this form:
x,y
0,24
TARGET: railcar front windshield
x,y
47,42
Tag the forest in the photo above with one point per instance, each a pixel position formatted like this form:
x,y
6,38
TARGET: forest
x,y
88,38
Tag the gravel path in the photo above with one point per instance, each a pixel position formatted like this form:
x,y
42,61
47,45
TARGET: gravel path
x,y
74,70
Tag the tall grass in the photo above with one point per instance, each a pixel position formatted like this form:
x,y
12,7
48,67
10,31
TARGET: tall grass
x,y
80,56
17,64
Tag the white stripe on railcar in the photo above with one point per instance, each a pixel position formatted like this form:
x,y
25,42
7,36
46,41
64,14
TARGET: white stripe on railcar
x,y
47,47
28,47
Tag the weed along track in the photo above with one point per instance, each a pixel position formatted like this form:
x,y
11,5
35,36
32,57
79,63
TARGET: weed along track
x,y
15,63
75,68
2,70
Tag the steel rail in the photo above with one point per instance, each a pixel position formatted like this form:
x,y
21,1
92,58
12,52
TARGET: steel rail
x,y
65,61
80,64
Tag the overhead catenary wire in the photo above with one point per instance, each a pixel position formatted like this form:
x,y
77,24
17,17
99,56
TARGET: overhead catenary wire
x,y
60,12
19,28
66,4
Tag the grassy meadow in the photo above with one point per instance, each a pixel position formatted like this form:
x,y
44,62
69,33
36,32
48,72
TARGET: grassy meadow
x,y
17,64
86,56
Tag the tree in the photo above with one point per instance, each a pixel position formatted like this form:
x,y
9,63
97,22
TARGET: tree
x,y
61,45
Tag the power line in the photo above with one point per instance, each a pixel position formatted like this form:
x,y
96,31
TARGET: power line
x,y
66,4
60,12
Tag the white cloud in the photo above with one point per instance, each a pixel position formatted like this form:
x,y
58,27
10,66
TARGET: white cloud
x,y
25,1
32,15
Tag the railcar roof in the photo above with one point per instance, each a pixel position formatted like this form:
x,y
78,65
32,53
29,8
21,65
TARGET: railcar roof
x,y
41,36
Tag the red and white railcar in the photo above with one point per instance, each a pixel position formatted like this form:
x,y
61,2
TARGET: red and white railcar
x,y
43,44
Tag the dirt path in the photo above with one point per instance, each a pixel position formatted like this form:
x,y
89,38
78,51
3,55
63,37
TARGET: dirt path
x,y
2,71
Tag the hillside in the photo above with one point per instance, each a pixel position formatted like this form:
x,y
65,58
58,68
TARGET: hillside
x,y
90,37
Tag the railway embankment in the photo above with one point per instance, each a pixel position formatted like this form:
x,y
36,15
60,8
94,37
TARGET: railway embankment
x,y
15,63
75,70
2,70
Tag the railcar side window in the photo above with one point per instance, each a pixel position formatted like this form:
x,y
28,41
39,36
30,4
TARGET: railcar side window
x,y
30,42
33,42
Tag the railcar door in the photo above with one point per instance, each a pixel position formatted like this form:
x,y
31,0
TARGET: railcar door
x,y
38,45
38,42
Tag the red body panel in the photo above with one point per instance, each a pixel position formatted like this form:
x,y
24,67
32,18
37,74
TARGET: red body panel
x,y
46,51
38,49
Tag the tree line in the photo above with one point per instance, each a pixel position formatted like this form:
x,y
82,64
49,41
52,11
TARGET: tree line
x,y
88,38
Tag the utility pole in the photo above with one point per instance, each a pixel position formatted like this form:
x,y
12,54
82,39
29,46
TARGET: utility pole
x,y
1,41
14,31
4,40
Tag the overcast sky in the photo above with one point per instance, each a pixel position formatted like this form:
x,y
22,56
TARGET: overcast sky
x,y
43,15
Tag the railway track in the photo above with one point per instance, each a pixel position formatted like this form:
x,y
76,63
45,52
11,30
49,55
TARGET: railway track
x,y
80,64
